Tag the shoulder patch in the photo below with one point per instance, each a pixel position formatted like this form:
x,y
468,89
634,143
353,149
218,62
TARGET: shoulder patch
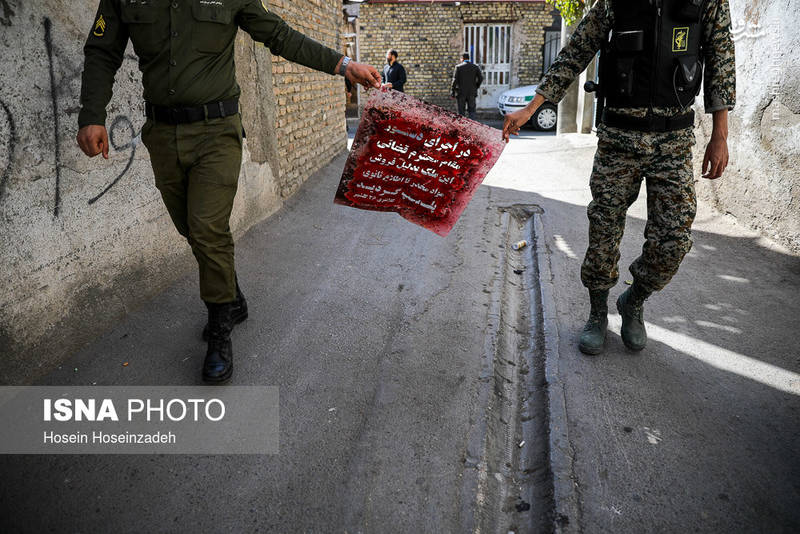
x,y
99,27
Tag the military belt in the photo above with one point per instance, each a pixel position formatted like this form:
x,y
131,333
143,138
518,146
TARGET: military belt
x,y
214,110
652,123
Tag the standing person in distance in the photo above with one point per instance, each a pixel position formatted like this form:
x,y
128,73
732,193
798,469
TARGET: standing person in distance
x,y
467,78
394,74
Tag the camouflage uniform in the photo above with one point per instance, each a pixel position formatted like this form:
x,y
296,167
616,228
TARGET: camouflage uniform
x,y
624,157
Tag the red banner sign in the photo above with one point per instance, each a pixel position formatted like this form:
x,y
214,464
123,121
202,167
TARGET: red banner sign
x,y
418,160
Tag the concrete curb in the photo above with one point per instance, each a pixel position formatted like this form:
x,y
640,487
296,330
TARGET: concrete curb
x,y
566,513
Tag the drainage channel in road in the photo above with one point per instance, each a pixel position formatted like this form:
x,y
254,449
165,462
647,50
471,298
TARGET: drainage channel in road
x,y
509,477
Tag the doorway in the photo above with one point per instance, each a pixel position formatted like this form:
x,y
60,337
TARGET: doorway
x,y
489,47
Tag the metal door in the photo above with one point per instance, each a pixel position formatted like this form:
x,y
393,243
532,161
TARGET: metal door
x,y
552,46
489,46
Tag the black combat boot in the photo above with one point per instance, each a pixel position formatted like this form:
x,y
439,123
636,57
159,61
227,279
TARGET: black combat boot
x,y
238,312
593,337
630,306
218,365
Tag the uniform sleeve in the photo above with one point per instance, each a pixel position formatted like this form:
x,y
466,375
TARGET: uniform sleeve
x,y
479,78
454,84
577,54
282,40
719,79
103,55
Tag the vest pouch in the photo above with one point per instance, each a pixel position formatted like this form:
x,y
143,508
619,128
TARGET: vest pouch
x,y
624,74
628,42
689,72
626,45
686,78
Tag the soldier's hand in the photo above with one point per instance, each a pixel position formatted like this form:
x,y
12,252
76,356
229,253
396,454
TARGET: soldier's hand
x,y
514,121
93,140
716,158
365,75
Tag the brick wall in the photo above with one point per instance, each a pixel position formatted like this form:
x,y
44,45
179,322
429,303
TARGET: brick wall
x,y
309,115
429,38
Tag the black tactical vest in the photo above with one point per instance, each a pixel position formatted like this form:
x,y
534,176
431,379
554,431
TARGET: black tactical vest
x,y
652,57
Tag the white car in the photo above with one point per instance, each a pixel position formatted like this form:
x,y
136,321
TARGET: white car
x,y
515,99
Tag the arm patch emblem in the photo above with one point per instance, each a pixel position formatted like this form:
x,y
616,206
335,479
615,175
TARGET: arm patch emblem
x,y
99,27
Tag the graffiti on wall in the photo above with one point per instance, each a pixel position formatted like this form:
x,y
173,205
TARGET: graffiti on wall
x,y
122,126
48,41
120,123
7,12
10,145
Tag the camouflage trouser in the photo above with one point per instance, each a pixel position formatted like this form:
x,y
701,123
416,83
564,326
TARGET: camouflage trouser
x,y
623,158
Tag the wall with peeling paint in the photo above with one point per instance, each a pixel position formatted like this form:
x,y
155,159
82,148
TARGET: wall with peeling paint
x,y
761,187
83,241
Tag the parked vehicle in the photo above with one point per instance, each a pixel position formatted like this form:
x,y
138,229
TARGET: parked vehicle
x,y
514,99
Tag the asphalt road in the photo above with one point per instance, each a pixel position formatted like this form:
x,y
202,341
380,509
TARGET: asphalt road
x,y
700,432
411,367
403,361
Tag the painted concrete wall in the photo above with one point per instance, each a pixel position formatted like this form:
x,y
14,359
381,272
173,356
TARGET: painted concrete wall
x,y
761,187
83,241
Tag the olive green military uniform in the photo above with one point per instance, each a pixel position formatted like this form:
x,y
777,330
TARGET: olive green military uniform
x,y
625,157
186,55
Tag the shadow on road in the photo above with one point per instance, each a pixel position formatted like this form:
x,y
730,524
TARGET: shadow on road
x,y
700,431
374,330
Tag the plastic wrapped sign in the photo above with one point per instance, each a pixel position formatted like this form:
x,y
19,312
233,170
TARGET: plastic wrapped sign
x,y
418,160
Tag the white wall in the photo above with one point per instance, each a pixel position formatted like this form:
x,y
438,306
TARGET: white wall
x,y
761,187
